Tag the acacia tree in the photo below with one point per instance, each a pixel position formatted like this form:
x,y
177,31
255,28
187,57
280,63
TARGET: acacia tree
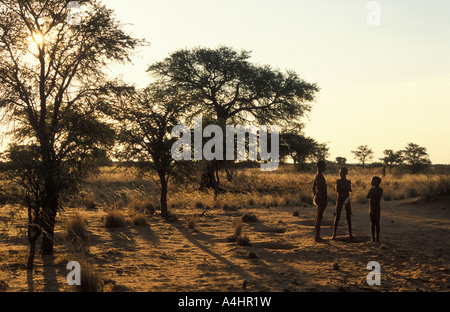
x,y
392,158
341,161
145,119
50,75
416,157
363,153
227,88
300,148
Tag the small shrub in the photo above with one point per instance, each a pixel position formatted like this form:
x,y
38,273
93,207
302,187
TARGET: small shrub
x,y
90,281
192,222
305,199
252,255
251,202
77,234
295,213
387,197
171,217
243,240
227,207
238,227
274,203
145,207
433,189
90,205
411,192
115,219
362,200
3,286
149,208
247,217
199,205
139,220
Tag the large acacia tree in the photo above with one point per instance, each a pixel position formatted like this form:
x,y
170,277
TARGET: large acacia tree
x,y
229,89
51,72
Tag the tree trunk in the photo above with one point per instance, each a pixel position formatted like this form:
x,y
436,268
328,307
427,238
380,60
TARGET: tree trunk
x,y
49,216
31,254
34,231
33,235
163,197
48,231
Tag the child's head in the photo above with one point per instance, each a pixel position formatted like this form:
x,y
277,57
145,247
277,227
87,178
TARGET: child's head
x,y
343,172
321,165
376,181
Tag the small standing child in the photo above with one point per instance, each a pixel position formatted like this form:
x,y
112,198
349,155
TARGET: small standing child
x,y
343,188
375,195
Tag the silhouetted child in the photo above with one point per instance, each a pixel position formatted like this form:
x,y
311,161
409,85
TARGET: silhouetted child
x,y
375,195
343,188
320,196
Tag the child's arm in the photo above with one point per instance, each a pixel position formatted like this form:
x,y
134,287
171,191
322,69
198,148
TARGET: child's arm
x,y
314,186
370,195
350,186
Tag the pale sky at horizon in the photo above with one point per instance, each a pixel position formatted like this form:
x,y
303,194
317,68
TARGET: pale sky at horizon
x,y
382,86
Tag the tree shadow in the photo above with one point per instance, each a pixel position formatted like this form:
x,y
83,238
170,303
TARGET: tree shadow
x,y
148,234
121,236
50,275
30,281
234,267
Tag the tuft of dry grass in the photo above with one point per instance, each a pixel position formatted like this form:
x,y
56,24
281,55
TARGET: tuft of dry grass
x,y
115,219
192,222
90,280
77,233
247,217
433,188
139,220
144,207
243,240
238,228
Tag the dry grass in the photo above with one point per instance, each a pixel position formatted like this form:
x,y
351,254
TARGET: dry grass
x,y
115,219
120,188
77,234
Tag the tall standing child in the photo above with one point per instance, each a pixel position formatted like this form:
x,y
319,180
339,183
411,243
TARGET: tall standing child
x,y
343,188
320,196
375,195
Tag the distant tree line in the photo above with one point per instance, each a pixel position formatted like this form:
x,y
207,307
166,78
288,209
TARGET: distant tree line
x,y
414,156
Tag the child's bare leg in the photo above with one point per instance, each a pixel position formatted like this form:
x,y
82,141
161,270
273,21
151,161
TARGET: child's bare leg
x,y
349,224
378,232
336,219
320,211
349,219
373,231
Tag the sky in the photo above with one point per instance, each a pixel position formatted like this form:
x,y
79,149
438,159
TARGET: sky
x,y
380,85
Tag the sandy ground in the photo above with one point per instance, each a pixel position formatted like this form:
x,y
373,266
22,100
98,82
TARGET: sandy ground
x,y
414,252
